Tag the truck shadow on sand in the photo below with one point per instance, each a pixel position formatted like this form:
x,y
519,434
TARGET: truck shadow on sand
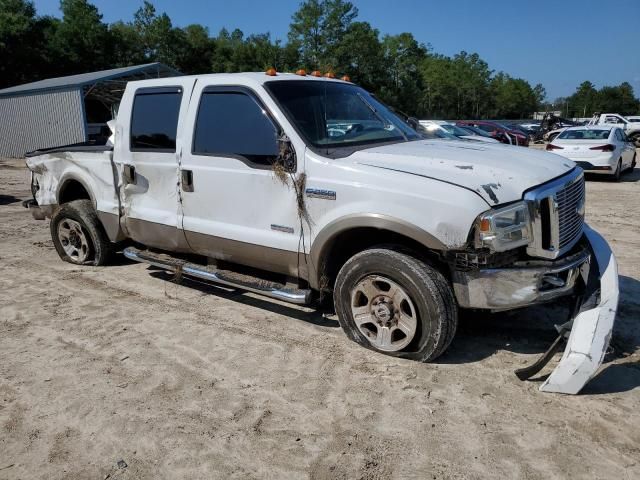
x,y
8,199
482,334
626,177
314,317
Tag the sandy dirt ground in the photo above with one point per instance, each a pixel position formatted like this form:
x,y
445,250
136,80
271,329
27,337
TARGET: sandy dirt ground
x,y
118,373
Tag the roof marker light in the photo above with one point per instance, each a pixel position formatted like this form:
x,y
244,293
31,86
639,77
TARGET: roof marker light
x,y
271,72
330,75
316,73
346,78
302,72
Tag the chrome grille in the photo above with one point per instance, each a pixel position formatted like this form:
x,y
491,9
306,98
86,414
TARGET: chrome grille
x,y
557,215
570,201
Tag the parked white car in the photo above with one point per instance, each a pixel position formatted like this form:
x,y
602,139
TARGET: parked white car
x,y
298,187
456,131
633,118
597,149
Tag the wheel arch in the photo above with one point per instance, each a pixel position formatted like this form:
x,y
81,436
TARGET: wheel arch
x,y
346,236
73,187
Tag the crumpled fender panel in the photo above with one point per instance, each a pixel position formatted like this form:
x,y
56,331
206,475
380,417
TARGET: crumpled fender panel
x,y
93,169
592,328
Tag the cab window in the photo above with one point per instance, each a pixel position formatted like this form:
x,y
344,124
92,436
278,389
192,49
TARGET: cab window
x,y
233,124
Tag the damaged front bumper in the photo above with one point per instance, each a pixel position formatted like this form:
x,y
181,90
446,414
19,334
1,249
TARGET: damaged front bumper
x,y
590,275
593,325
520,285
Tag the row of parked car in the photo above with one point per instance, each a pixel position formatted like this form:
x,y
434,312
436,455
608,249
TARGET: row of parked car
x,y
605,145
480,130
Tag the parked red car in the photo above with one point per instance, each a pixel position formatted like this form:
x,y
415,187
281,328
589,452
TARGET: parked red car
x,y
498,131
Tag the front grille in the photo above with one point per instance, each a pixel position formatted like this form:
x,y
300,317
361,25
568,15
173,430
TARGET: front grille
x,y
557,215
570,201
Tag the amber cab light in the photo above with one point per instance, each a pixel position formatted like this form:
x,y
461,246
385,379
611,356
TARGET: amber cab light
x,y
316,73
302,72
271,72
346,78
330,75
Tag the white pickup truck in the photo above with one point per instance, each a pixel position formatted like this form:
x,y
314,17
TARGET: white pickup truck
x,y
295,186
632,129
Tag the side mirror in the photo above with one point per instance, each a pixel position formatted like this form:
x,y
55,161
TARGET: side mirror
x,y
286,153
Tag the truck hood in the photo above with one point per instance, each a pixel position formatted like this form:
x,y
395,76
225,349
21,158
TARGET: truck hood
x,y
498,173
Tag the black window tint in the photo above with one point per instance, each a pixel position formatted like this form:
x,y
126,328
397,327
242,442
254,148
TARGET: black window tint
x,y
232,123
154,120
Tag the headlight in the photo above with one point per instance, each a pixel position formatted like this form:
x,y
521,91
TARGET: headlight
x,y
504,228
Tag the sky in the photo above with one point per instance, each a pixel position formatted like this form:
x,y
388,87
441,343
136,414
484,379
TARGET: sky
x,y
559,43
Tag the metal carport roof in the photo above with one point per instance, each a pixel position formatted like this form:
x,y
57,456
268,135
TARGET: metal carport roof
x,y
136,72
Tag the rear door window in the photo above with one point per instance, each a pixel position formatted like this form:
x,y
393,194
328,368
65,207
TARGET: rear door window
x,y
154,119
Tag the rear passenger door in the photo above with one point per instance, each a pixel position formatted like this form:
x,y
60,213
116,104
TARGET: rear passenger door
x,y
236,206
146,154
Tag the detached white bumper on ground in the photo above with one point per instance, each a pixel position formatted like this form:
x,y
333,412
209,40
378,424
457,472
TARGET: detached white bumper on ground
x,y
592,328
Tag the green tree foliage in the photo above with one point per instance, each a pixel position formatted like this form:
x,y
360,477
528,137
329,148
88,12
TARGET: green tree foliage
x,y
402,83
359,55
455,87
540,94
317,29
513,97
586,100
81,42
323,35
22,35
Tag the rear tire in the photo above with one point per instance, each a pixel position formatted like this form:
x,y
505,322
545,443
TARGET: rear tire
x,y
78,234
395,304
618,173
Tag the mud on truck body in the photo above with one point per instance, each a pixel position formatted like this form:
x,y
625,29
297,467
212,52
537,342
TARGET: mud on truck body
x,y
297,187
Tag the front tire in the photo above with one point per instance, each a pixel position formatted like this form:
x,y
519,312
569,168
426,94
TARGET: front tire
x,y
78,234
395,304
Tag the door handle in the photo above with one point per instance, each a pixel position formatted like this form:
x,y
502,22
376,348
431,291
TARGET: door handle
x,y
129,173
187,180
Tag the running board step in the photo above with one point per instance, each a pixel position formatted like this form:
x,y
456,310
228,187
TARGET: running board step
x,y
228,279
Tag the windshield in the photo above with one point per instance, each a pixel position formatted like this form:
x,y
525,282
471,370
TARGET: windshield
x,y
592,134
338,115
